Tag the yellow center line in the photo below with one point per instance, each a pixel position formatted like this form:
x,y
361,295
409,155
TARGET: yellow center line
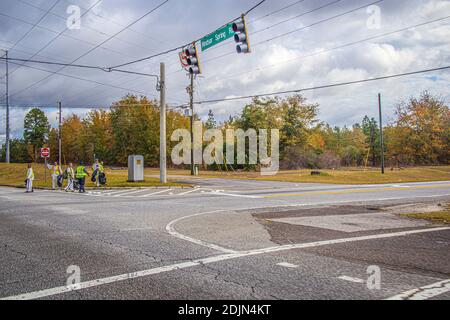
x,y
319,193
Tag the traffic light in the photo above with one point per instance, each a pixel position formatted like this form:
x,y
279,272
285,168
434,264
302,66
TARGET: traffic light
x,y
241,36
193,60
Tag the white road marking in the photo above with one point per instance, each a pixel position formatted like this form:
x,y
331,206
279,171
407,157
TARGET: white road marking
x,y
236,195
189,192
113,192
171,230
424,293
130,193
287,265
214,259
155,193
351,279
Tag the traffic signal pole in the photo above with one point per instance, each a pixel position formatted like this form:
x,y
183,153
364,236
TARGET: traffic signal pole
x,y
163,125
7,151
191,103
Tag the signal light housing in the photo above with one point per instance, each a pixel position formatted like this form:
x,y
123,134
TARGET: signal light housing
x,y
193,59
241,36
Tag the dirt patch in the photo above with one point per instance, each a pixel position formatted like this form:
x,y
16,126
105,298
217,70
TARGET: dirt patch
x,y
287,226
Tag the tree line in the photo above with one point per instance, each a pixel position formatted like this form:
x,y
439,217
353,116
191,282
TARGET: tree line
x,y
419,134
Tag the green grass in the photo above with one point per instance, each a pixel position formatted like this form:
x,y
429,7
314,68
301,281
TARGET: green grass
x,y
344,176
14,175
436,217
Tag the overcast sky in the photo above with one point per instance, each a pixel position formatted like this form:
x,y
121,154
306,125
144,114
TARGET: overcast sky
x,y
303,58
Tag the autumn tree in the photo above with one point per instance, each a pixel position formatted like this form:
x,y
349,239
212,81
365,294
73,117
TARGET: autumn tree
x,y
36,130
421,132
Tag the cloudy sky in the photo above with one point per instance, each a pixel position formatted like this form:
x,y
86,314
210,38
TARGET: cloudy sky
x,y
296,44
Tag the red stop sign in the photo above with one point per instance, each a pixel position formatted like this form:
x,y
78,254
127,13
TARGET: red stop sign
x,y
45,152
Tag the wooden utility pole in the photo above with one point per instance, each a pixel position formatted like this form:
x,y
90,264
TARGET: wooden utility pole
x,y
163,125
60,134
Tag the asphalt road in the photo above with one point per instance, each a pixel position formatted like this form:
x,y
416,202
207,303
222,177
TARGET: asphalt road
x,y
225,240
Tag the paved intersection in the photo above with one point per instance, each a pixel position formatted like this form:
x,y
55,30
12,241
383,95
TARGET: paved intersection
x,y
225,240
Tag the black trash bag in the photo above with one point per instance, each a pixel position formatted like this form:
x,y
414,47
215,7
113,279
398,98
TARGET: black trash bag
x,y
102,178
60,181
94,176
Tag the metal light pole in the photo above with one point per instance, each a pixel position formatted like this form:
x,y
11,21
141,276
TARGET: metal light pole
x,y
163,126
381,135
7,151
191,103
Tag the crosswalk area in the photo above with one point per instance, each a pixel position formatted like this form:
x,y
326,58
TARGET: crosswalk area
x,y
151,192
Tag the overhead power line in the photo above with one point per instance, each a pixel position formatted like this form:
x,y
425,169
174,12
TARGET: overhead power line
x,y
80,66
323,86
64,18
56,37
272,26
46,13
319,22
296,16
179,47
276,11
94,48
349,44
82,79
299,29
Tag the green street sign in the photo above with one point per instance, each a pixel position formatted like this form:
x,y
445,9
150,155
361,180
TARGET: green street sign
x,y
217,36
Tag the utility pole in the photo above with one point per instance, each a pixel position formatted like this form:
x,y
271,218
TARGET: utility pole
x,y
60,134
7,157
191,103
163,125
381,135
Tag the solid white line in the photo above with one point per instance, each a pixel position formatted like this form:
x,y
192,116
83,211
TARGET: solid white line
x,y
344,240
112,192
189,192
155,193
235,195
144,273
351,279
170,228
424,293
287,265
130,193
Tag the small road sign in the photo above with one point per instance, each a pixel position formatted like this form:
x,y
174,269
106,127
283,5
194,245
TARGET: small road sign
x,y
217,37
45,152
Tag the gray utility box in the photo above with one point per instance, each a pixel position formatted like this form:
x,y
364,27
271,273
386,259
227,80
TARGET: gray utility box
x,y
136,169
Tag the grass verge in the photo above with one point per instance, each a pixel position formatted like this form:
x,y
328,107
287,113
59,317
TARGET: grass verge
x,y
346,176
14,175
436,217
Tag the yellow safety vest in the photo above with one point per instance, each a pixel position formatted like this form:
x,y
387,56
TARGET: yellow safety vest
x,y
80,172
57,170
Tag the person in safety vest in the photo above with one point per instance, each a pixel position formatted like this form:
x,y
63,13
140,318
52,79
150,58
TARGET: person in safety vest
x,y
56,175
81,174
30,179
97,169
70,176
